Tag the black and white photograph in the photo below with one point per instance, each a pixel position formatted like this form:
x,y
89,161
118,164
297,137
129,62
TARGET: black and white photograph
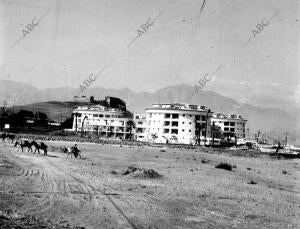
x,y
149,114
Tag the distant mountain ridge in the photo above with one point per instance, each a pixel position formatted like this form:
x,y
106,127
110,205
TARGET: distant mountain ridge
x,y
266,119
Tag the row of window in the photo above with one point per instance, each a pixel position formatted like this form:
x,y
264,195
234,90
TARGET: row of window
x,y
122,123
167,123
233,124
107,116
227,129
229,123
176,116
106,128
173,131
99,115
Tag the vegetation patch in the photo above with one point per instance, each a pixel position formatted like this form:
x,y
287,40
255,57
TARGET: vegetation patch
x,y
252,182
9,219
204,161
142,173
226,166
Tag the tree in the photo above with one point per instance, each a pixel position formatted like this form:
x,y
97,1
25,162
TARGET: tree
x,y
198,133
110,130
76,114
218,133
213,133
82,125
26,114
40,116
92,100
67,124
19,119
130,124
207,113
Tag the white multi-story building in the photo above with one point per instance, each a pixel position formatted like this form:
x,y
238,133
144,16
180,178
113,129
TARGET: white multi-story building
x,y
231,125
141,124
101,120
176,123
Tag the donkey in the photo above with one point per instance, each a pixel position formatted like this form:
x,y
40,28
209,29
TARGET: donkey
x,y
44,147
41,146
3,136
36,146
23,144
11,137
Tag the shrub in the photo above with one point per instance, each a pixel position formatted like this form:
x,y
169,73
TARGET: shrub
x,y
252,182
204,161
224,165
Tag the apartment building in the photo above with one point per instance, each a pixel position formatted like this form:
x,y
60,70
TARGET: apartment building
x,y
101,120
176,123
231,125
141,124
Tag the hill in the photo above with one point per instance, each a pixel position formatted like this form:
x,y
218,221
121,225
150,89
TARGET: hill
x,y
273,120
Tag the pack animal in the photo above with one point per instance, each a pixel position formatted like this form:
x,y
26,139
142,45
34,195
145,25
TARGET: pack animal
x,y
10,137
24,144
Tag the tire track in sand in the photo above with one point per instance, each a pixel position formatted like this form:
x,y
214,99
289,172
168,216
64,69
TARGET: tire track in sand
x,y
119,210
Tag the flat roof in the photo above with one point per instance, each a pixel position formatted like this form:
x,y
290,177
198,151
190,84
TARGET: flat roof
x,y
178,106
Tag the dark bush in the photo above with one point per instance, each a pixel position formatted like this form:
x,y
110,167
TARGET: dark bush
x,y
224,165
252,182
204,161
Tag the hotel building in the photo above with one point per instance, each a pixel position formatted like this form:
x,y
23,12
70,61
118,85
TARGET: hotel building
x,y
141,124
176,123
101,120
231,125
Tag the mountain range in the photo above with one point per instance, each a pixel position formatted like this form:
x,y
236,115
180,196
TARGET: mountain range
x,y
53,102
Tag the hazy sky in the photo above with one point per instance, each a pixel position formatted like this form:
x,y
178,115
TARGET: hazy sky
x,y
78,37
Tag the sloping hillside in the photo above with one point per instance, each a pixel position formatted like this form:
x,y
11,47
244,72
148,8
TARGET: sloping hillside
x,y
275,121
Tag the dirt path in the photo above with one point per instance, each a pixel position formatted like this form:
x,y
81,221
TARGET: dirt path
x,y
190,195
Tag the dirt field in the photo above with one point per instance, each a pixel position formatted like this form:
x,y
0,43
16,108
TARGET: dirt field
x,y
92,192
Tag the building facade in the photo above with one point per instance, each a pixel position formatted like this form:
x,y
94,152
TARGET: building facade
x,y
231,125
101,120
177,123
141,124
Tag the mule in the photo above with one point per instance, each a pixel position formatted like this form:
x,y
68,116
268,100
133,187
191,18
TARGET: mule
x,y
23,144
3,136
36,146
9,136
44,147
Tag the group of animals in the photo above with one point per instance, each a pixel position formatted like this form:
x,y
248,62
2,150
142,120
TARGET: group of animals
x,y
26,144
73,151
11,137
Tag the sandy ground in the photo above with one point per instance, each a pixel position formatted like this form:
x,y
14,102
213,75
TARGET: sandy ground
x,y
191,194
